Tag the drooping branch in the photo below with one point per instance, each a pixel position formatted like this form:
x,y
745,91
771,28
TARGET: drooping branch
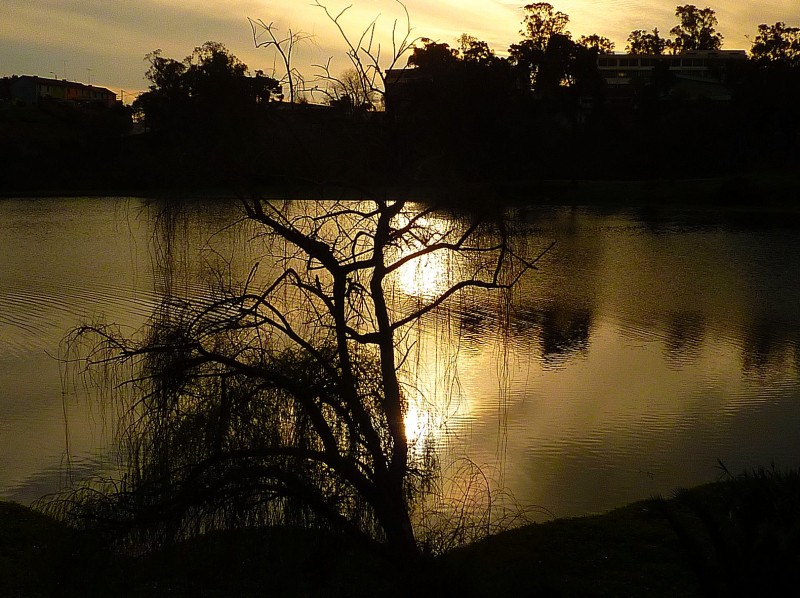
x,y
284,396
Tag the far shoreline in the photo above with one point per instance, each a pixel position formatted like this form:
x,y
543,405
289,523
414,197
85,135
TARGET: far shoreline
x,y
766,189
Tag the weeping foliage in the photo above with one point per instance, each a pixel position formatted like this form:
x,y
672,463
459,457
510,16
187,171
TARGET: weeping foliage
x,y
225,436
277,400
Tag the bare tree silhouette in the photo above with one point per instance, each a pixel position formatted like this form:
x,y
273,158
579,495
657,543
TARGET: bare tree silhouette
x,y
267,35
280,399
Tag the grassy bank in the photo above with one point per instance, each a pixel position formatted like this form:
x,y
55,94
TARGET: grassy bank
x,y
629,552
738,537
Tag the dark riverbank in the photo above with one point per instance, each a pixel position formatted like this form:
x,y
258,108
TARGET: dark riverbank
x,y
726,538
630,549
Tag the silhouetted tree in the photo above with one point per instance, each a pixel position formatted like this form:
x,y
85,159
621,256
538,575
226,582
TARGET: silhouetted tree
x,y
551,59
168,92
433,55
471,49
541,22
454,107
555,68
777,45
564,66
642,42
350,93
696,30
597,43
364,52
268,36
767,96
211,82
278,399
206,113
543,53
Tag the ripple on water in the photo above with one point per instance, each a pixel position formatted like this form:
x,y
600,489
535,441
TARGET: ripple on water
x,y
38,317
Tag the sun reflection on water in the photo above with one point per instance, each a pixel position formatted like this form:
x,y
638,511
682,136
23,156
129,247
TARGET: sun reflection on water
x,y
420,423
430,273
433,390
422,280
424,277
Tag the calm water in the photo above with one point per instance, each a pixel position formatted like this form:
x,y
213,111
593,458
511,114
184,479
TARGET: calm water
x,y
647,346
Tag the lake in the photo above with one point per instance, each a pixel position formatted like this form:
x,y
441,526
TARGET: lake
x,y
649,344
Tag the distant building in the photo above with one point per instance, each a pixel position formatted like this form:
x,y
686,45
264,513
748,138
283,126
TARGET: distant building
x,y
399,83
30,89
696,74
396,79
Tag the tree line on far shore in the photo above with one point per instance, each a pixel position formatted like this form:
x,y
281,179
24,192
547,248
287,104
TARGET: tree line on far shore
x,y
459,115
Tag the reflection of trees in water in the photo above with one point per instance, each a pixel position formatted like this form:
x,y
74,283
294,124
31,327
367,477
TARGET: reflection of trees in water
x,y
564,334
797,356
557,333
478,325
561,332
685,332
768,347
195,248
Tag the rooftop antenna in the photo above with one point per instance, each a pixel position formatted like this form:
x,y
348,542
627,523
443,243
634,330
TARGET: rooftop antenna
x,y
89,74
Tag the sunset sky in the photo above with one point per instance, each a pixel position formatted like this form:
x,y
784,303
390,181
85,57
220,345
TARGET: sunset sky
x,y
104,41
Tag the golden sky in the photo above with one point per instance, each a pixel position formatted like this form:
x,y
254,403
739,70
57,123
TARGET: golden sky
x,y
104,41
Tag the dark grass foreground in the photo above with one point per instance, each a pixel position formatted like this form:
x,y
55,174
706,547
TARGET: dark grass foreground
x,y
739,537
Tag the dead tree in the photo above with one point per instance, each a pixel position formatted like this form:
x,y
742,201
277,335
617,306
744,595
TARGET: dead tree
x,y
267,35
369,58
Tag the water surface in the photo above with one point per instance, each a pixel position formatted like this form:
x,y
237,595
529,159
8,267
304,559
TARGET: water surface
x,y
648,345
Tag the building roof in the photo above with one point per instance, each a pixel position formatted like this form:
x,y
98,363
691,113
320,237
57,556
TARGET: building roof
x,y
31,88
52,82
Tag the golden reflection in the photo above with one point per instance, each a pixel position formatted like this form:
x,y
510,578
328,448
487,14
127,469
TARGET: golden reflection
x,y
428,274
433,391
431,380
425,276
425,424
419,421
